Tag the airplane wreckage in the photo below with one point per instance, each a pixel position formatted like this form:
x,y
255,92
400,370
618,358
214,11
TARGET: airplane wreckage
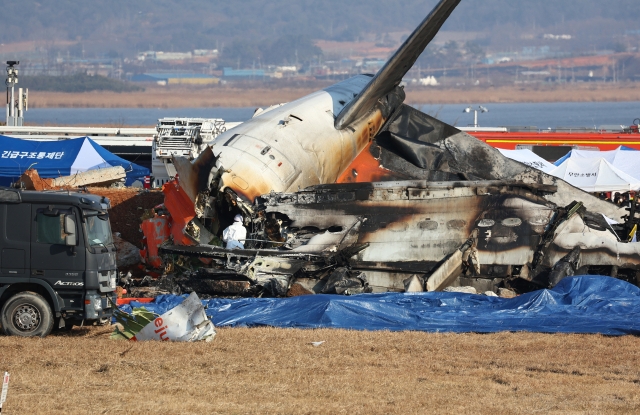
x,y
348,190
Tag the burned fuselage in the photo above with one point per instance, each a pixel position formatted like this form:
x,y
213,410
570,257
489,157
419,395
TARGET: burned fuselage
x,y
349,190
376,236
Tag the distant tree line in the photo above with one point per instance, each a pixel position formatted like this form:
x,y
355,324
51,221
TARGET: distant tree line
x,y
79,82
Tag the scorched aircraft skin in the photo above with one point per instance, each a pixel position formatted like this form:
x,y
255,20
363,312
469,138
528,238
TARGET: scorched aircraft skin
x,y
349,190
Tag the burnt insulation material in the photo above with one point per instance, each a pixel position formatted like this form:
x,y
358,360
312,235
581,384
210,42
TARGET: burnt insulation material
x,y
585,304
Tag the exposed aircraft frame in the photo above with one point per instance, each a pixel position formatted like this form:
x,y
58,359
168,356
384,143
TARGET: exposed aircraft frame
x,y
349,190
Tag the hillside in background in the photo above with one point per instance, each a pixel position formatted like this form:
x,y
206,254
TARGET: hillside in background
x,y
122,27
78,82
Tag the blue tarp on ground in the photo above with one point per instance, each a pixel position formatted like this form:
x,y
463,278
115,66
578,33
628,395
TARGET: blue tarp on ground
x,y
59,158
586,304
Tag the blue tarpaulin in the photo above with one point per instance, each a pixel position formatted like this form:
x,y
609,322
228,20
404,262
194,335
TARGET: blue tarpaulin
x,y
586,304
59,158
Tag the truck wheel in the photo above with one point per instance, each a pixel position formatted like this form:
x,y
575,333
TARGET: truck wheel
x,y
27,314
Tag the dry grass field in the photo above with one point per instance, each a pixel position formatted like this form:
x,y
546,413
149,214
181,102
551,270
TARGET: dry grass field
x,y
528,93
190,97
168,97
278,371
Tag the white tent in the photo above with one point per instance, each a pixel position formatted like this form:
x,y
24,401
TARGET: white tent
x,y
529,158
595,175
626,160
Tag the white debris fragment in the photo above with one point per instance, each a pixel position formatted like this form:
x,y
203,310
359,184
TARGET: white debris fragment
x,y
413,284
5,389
465,290
490,294
183,323
91,177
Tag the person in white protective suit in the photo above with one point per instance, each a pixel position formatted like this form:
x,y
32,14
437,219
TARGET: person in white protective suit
x,y
235,234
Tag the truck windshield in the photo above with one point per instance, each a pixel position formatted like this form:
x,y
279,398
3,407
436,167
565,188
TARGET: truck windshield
x,y
98,229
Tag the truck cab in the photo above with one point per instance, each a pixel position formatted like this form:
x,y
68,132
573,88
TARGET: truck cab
x,y
57,261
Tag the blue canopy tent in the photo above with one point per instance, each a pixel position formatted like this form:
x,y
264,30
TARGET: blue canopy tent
x,y
59,158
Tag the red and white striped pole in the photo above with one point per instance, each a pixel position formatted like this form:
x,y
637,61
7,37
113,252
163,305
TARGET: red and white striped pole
x,y
5,387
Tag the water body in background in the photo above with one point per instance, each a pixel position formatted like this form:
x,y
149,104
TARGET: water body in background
x,y
139,117
541,115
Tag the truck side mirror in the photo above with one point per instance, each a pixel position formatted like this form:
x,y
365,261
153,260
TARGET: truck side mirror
x,y
70,230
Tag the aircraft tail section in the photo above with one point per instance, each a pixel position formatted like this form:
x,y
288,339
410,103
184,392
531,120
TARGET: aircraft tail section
x,y
390,76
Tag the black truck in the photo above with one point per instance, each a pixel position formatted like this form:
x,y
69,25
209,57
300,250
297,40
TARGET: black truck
x,y
57,261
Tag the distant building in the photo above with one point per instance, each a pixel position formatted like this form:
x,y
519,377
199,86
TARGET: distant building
x,y
242,73
176,78
556,37
205,52
372,65
164,56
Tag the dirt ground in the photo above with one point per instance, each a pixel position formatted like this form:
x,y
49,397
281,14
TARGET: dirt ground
x,y
190,97
278,371
127,206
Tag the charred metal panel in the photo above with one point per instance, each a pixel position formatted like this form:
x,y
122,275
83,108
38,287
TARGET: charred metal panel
x,y
204,285
410,227
567,194
410,124
194,177
446,273
407,146
381,281
470,156
510,228
398,166
597,247
422,194
413,136
416,222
